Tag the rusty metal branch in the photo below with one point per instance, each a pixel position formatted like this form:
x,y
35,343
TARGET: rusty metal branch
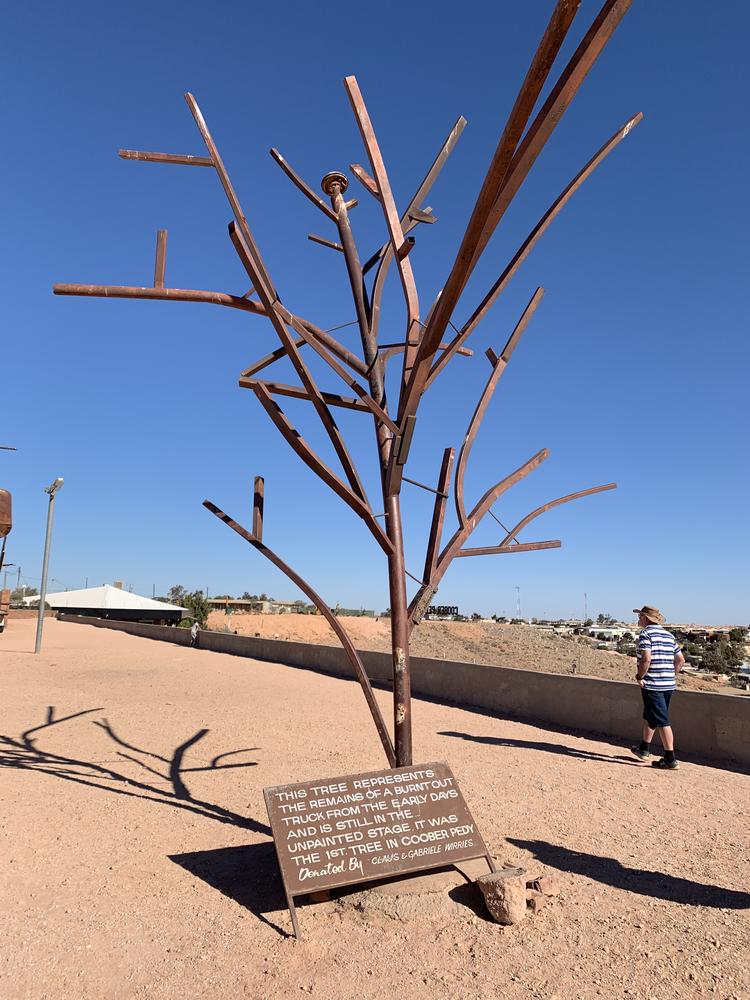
x,y
305,188
263,284
259,492
333,621
494,550
393,222
413,215
365,180
319,335
324,337
269,359
388,350
160,264
528,244
335,184
378,412
168,294
275,310
484,401
484,504
297,392
322,241
553,109
217,299
182,158
424,595
559,24
298,444
287,341
438,515
510,536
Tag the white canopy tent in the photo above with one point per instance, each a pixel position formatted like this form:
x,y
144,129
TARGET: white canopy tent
x,y
111,602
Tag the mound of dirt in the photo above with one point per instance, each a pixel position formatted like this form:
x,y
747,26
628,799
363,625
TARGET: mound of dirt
x,y
493,643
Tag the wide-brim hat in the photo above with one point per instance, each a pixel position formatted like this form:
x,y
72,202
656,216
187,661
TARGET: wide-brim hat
x,y
653,614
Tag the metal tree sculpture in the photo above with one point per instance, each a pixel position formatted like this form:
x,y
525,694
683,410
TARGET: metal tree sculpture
x,y
425,354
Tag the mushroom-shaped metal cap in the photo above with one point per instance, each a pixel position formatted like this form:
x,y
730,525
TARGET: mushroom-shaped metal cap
x,y
332,179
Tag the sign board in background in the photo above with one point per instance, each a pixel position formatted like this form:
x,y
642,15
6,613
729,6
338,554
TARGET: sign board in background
x,y
363,827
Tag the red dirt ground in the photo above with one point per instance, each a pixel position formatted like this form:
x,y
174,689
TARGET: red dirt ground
x,y
128,874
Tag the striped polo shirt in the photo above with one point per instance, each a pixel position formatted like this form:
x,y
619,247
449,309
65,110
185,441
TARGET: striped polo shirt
x,y
662,645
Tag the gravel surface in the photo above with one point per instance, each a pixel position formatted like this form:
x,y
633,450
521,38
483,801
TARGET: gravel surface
x,y
136,860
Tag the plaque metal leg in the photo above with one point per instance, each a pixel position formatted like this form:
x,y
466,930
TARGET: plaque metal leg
x,y
293,915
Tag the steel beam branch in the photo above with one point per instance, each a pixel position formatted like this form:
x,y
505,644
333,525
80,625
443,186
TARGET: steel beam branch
x,y
510,536
303,450
305,188
388,350
393,222
424,595
411,218
365,180
335,184
263,284
182,158
438,515
494,550
258,502
168,294
333,621
484,400
378,412
298,364
552,111
322,241
160,264
528,244
297,392
559,24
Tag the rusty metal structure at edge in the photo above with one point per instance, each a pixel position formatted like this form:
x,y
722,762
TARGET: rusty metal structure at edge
x,y
428,341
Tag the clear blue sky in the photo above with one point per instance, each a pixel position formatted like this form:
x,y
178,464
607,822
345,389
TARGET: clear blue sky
x,y
634,369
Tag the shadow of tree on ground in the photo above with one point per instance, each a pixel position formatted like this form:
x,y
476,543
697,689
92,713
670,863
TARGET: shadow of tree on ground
x,y
639,880
23,753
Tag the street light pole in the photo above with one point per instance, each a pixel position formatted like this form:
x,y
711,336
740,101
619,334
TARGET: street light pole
x,y
52,490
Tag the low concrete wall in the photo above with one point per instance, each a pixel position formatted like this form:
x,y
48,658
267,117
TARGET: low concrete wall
x,y
714,726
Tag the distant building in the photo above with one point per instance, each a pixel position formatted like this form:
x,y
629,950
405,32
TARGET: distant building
x,y
611,632
113,603
229,604
257,607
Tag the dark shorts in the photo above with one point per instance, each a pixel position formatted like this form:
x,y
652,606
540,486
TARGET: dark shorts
x,y
656,707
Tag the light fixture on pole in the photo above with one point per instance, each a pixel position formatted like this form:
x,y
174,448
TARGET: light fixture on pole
x,y
51,490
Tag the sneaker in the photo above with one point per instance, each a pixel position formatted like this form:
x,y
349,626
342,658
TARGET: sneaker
x,y
642,754
665,765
